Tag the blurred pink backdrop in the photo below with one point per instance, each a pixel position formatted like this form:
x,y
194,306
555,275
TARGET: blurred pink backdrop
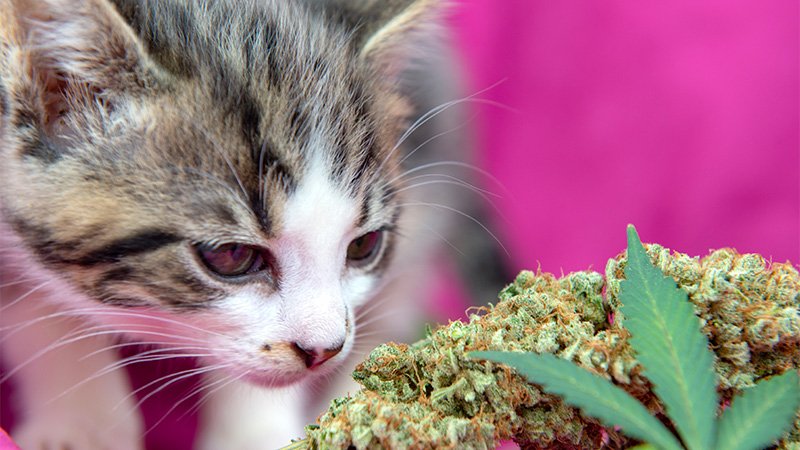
x,y
680,117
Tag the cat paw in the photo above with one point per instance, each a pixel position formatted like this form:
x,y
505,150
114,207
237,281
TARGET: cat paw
x,y
71,433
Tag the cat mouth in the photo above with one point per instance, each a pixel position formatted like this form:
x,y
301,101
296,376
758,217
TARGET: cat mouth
x,y
271,380
282,373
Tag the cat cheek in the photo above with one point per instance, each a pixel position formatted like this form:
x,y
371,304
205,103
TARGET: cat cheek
x,y
358,289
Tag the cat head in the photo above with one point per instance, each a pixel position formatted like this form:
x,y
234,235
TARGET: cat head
x,y
217,174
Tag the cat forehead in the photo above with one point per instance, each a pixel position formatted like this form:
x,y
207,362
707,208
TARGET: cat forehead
x,y
318,212
325,195
244,46
286,83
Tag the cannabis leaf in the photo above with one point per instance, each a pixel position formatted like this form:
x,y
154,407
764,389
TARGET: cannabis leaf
x,y
673,351
760,414
595,395
674,354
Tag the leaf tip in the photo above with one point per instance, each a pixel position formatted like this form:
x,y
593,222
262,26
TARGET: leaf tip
x,y
635,246
633,236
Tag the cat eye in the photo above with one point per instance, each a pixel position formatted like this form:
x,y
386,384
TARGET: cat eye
x,y
232,260
364,249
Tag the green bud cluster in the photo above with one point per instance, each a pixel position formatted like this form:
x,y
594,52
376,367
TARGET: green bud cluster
x,y
430,395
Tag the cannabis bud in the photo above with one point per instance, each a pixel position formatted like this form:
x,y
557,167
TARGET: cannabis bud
x,y
431,394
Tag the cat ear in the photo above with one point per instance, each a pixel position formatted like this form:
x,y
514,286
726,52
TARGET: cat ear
x,y
389,34
403,31
72,51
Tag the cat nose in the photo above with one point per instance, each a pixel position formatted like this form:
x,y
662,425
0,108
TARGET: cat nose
x,y
313,357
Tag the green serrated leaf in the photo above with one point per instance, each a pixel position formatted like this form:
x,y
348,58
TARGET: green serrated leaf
x,y
761,414
670,346
594,395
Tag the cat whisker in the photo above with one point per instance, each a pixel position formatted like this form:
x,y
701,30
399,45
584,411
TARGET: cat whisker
x,y
315,387
369,307
416,125
207,396
456,182
94,311
367,320
172,377
115,328
367,347
434,137
178,350
24,296
463,214
433,112
12,328
134,409
376,324
450,180
184,374
9,330
230,379
365,310
444,239
371,339
16,282
164,320
160,357
77,336
121,364
365,324
140,344
64,340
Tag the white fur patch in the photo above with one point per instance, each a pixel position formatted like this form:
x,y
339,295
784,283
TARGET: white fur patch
x,y
311,251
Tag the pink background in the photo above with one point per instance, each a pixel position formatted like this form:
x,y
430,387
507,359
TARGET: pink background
x,y
680,117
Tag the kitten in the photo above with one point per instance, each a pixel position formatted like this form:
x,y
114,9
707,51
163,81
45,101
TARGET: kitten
x,y
224,179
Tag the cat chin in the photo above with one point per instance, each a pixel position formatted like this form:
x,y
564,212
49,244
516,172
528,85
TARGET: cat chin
x,y
273,381
281,379
276,381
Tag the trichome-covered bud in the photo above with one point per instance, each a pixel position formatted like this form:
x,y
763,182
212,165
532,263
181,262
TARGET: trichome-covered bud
x,y
431,395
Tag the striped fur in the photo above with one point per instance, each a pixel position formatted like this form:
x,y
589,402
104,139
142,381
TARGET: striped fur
x,y
200,130
134,133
